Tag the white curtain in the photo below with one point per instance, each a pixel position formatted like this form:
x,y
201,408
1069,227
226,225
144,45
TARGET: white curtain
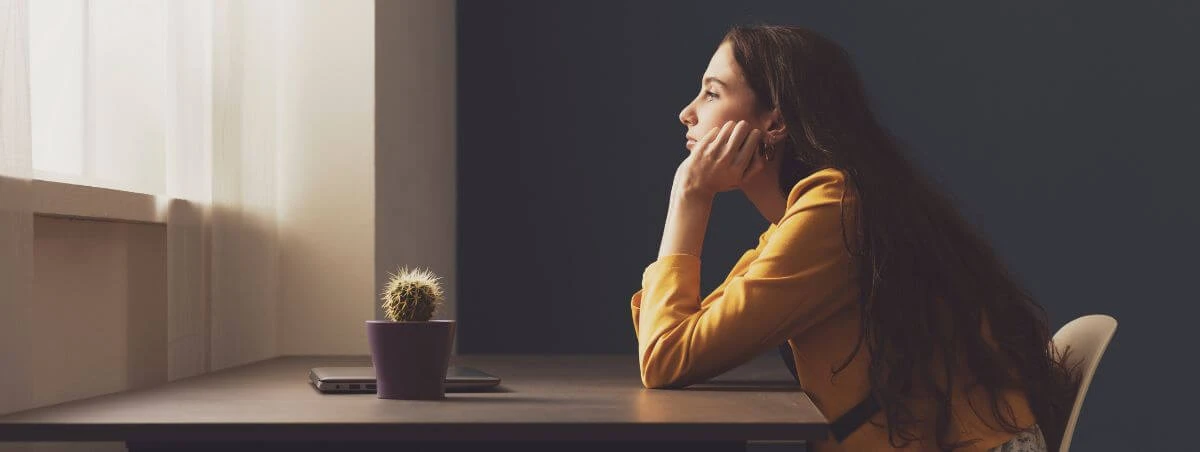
x,y
16,218
245,233
253,124
187,184
221,147
100,77
203,115
177,100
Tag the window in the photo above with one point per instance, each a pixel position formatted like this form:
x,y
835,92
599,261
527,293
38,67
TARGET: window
x,y
101,91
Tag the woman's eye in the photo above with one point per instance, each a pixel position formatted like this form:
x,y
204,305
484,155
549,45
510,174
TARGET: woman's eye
x,y
710,95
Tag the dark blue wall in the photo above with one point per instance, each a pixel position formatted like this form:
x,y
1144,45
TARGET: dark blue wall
x,y
1065,130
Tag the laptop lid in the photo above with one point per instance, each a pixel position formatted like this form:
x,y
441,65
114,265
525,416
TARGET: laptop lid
x,y
362,379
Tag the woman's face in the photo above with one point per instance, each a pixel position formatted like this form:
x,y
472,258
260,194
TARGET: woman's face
x,y
724,96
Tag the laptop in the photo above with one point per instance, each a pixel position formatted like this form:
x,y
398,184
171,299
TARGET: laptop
x,y
362,379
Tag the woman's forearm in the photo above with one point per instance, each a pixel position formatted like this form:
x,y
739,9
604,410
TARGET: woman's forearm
x,y
687,222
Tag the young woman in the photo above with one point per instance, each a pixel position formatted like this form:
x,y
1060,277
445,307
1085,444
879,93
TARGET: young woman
x,y
900,321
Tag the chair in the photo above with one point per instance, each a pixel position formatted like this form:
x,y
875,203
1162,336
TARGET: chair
x,y
1087,337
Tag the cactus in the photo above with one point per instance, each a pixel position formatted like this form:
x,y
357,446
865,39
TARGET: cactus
x,y
411,295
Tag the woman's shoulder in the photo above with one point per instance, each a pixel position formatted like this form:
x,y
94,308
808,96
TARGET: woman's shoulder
x,y
824,185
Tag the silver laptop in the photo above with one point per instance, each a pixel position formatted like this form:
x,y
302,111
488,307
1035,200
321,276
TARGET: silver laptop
x,y
362,379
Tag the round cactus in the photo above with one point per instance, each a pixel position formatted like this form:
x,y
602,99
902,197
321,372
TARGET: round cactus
x,y
411,295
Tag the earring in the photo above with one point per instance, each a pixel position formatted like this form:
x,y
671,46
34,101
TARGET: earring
x,y
767,151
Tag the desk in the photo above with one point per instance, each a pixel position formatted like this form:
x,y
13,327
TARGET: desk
x,y
542,397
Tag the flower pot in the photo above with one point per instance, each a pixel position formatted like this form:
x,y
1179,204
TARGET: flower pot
x,y
410,358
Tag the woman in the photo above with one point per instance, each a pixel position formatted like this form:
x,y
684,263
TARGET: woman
x,y
904,326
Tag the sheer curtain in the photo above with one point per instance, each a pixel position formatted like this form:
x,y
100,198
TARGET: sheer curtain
x,y
245,149
218,166
100,79
174,98
16,217
252,125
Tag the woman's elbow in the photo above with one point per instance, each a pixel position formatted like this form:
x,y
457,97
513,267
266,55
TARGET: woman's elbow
x,y
656,377
659,383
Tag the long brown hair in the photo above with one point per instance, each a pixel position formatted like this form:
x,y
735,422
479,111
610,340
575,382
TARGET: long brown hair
x,y
929,280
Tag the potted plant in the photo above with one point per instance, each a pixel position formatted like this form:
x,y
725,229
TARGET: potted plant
x,y
410,351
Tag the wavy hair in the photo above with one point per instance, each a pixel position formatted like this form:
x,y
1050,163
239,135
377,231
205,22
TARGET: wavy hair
x,y
931,283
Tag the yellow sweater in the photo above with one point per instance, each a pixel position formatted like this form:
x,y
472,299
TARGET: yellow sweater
x,y
798,285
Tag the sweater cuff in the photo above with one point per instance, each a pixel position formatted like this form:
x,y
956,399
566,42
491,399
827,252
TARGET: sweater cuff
x,y
683,263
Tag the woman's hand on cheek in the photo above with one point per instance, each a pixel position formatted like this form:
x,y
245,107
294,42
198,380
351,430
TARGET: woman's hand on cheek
x,y
721,160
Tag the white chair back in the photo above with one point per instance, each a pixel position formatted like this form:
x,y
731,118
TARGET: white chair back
x,y
1087,337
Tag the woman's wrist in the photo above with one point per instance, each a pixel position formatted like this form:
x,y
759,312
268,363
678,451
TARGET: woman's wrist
x,y
687,222
691,192
692,195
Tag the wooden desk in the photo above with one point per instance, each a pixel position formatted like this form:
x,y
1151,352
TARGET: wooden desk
x,y
550,397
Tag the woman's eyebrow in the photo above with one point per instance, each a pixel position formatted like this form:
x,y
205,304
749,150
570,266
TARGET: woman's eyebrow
x,y
711,79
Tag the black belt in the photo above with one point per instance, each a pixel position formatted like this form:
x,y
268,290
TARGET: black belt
x,y
848,422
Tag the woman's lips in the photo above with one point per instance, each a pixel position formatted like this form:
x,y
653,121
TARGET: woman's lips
x,y
689,144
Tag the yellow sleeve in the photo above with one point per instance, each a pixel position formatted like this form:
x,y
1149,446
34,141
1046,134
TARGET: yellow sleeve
x,y
798,278
738,269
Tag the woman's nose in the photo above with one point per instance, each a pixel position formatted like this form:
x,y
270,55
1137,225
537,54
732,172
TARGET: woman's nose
x,y
686,117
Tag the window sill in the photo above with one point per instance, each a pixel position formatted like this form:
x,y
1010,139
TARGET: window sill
x,y
60,199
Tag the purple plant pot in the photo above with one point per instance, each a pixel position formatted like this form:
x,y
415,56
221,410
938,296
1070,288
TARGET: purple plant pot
x,y
410,358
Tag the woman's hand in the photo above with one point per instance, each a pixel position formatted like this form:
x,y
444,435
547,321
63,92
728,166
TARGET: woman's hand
x,y
721,160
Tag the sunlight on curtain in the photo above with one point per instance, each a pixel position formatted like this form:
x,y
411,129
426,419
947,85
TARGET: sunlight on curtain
x,y
188,140
178,99
244,235
16,219
56,71
121,94
99,92
252,122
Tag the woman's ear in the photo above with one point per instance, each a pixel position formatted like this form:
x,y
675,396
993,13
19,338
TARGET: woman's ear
x,y
776,128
